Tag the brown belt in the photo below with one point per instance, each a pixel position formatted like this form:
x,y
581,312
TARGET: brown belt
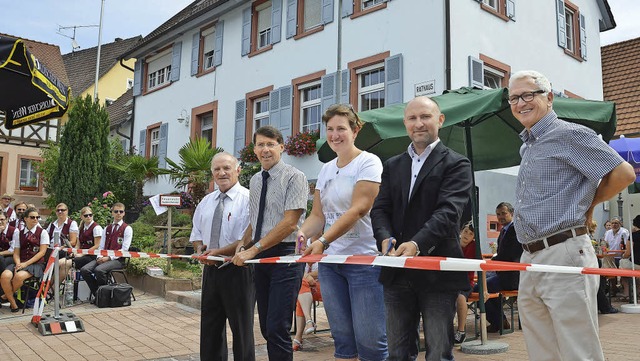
x,y
535,246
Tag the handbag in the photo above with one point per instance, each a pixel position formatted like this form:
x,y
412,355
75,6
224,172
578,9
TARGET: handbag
x,y
114,295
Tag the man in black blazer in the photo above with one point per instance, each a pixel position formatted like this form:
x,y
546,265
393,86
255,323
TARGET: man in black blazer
x,y
509,250
422,196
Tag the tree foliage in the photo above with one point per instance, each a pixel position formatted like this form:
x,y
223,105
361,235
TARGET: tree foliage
x,y
139,169
194,169
84,153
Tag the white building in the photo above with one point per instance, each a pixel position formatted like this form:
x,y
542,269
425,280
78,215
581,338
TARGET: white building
x,y
226,67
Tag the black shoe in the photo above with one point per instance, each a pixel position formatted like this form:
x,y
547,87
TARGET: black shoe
x,y
459,337
611,310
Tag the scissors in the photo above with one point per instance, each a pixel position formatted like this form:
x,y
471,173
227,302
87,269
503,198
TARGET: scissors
x,y
225,263
389,246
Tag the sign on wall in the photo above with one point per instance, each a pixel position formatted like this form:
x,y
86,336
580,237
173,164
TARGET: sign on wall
x,y
425,88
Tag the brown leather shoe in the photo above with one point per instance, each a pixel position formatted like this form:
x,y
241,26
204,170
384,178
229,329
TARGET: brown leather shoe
x,y
505,324
493,329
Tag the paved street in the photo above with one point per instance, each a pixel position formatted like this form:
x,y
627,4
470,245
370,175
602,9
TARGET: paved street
x,y
154,329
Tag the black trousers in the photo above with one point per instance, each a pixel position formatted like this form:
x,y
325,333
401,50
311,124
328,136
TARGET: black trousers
x,y
228,293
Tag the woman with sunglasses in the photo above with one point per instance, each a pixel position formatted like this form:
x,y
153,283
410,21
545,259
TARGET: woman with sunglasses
x,y
341,225
66,231
29,247
89,237
6,242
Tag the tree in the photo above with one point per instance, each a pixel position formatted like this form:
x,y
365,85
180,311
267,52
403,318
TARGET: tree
x,y
84,155
121,182
194,170
140,169
48,168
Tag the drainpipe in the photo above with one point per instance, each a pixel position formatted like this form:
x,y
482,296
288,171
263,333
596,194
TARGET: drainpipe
x,y
447,39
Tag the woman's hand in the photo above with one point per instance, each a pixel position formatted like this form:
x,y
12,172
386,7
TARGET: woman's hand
x,y
310,280
315,248
301,243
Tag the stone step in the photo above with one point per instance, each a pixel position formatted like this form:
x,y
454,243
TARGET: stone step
x,y
187,298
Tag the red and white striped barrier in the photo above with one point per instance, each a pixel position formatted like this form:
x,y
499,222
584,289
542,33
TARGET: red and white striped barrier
x,y
41,296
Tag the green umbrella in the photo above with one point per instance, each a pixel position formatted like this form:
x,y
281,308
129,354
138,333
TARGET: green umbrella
x,y
494,129
30,92
480,125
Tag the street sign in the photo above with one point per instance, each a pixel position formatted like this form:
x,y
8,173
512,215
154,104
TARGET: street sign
x,y
167,200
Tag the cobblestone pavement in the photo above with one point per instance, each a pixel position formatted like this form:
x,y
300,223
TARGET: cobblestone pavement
x,y
155,329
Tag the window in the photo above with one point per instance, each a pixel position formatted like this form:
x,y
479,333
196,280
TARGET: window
x,y
371,87
366,4
207,39
492,4
29,178
159,70
154,141
493,79
312,14
260,112
206,127
488,73
263,12
310,111
571,30
504,9
129,83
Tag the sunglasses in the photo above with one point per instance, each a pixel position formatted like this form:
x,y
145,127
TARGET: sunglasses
x,y
87,215
61,210
34,217
118,211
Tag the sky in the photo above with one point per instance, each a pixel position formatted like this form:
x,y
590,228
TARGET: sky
x,y
41,19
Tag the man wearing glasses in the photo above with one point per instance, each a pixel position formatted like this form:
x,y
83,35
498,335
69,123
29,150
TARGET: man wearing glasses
x,y
219,222
278,199
616,237
566,170
6,242
18,222
116,236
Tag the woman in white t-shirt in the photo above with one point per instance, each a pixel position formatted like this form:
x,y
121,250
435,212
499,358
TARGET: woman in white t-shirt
x,y
344,195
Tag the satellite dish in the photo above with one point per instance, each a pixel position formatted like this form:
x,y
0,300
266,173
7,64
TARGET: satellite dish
x,y
74,44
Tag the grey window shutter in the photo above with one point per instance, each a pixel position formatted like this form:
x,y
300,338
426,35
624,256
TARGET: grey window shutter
x,y
476,73
292,18
344,92
274,108
276,21
347,8
162,145
246,31
137,77
393,80
562,32
217,52
240,126
328,88
195,53
143,145
583,37
327,11
511,10
175,61
285,111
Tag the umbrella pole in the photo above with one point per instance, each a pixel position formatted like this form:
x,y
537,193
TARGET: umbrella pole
x,y
631,308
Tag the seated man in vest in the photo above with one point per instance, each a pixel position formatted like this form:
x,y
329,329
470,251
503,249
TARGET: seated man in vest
x,y
116,236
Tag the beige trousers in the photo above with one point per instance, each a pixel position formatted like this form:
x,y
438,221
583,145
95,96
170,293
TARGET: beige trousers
x,y
559,311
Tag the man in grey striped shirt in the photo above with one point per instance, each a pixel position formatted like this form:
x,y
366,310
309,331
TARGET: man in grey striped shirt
x,y
566,170
272,233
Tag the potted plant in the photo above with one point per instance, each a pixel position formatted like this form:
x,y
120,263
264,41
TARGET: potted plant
x,y
302,144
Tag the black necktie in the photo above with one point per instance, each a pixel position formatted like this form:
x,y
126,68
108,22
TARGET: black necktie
x,y
501,236
263,200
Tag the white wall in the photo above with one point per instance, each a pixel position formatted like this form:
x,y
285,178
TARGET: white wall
x,y
528,43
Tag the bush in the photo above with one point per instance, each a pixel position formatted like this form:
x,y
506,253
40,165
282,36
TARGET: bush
x,y
178,219
145,243
248,170
142,229
100,208
138,266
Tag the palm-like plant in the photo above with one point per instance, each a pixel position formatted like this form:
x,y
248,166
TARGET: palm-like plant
x,y
141,169
194,169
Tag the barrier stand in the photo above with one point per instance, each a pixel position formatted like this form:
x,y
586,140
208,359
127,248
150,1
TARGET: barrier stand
x,y
58,323
168,200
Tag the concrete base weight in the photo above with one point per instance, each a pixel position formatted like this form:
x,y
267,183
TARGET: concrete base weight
x,y
489,348
630,308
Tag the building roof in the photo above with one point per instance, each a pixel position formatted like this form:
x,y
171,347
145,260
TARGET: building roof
x,y
191,11
121,110
47,54
82,64
620,78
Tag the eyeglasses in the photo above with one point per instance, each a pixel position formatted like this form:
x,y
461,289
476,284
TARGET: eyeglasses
x,y
526,97
34,217
118,211
60,210
87,215
266,145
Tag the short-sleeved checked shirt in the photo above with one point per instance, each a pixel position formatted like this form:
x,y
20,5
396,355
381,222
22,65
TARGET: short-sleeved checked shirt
x,y
287,189
562,164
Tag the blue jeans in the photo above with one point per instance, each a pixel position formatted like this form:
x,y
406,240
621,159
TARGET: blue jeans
x,y
277,287
404,304
353,300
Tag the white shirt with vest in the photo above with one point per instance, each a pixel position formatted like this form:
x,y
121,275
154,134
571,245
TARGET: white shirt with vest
x,y
126,242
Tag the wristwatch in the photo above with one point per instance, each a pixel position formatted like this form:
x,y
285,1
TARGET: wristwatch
x,y
258,246
417,248
324,242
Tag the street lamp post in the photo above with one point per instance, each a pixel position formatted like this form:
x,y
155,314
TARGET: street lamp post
x,y
95,85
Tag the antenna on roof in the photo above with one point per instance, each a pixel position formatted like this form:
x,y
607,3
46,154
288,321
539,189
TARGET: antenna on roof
x,y
74,43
